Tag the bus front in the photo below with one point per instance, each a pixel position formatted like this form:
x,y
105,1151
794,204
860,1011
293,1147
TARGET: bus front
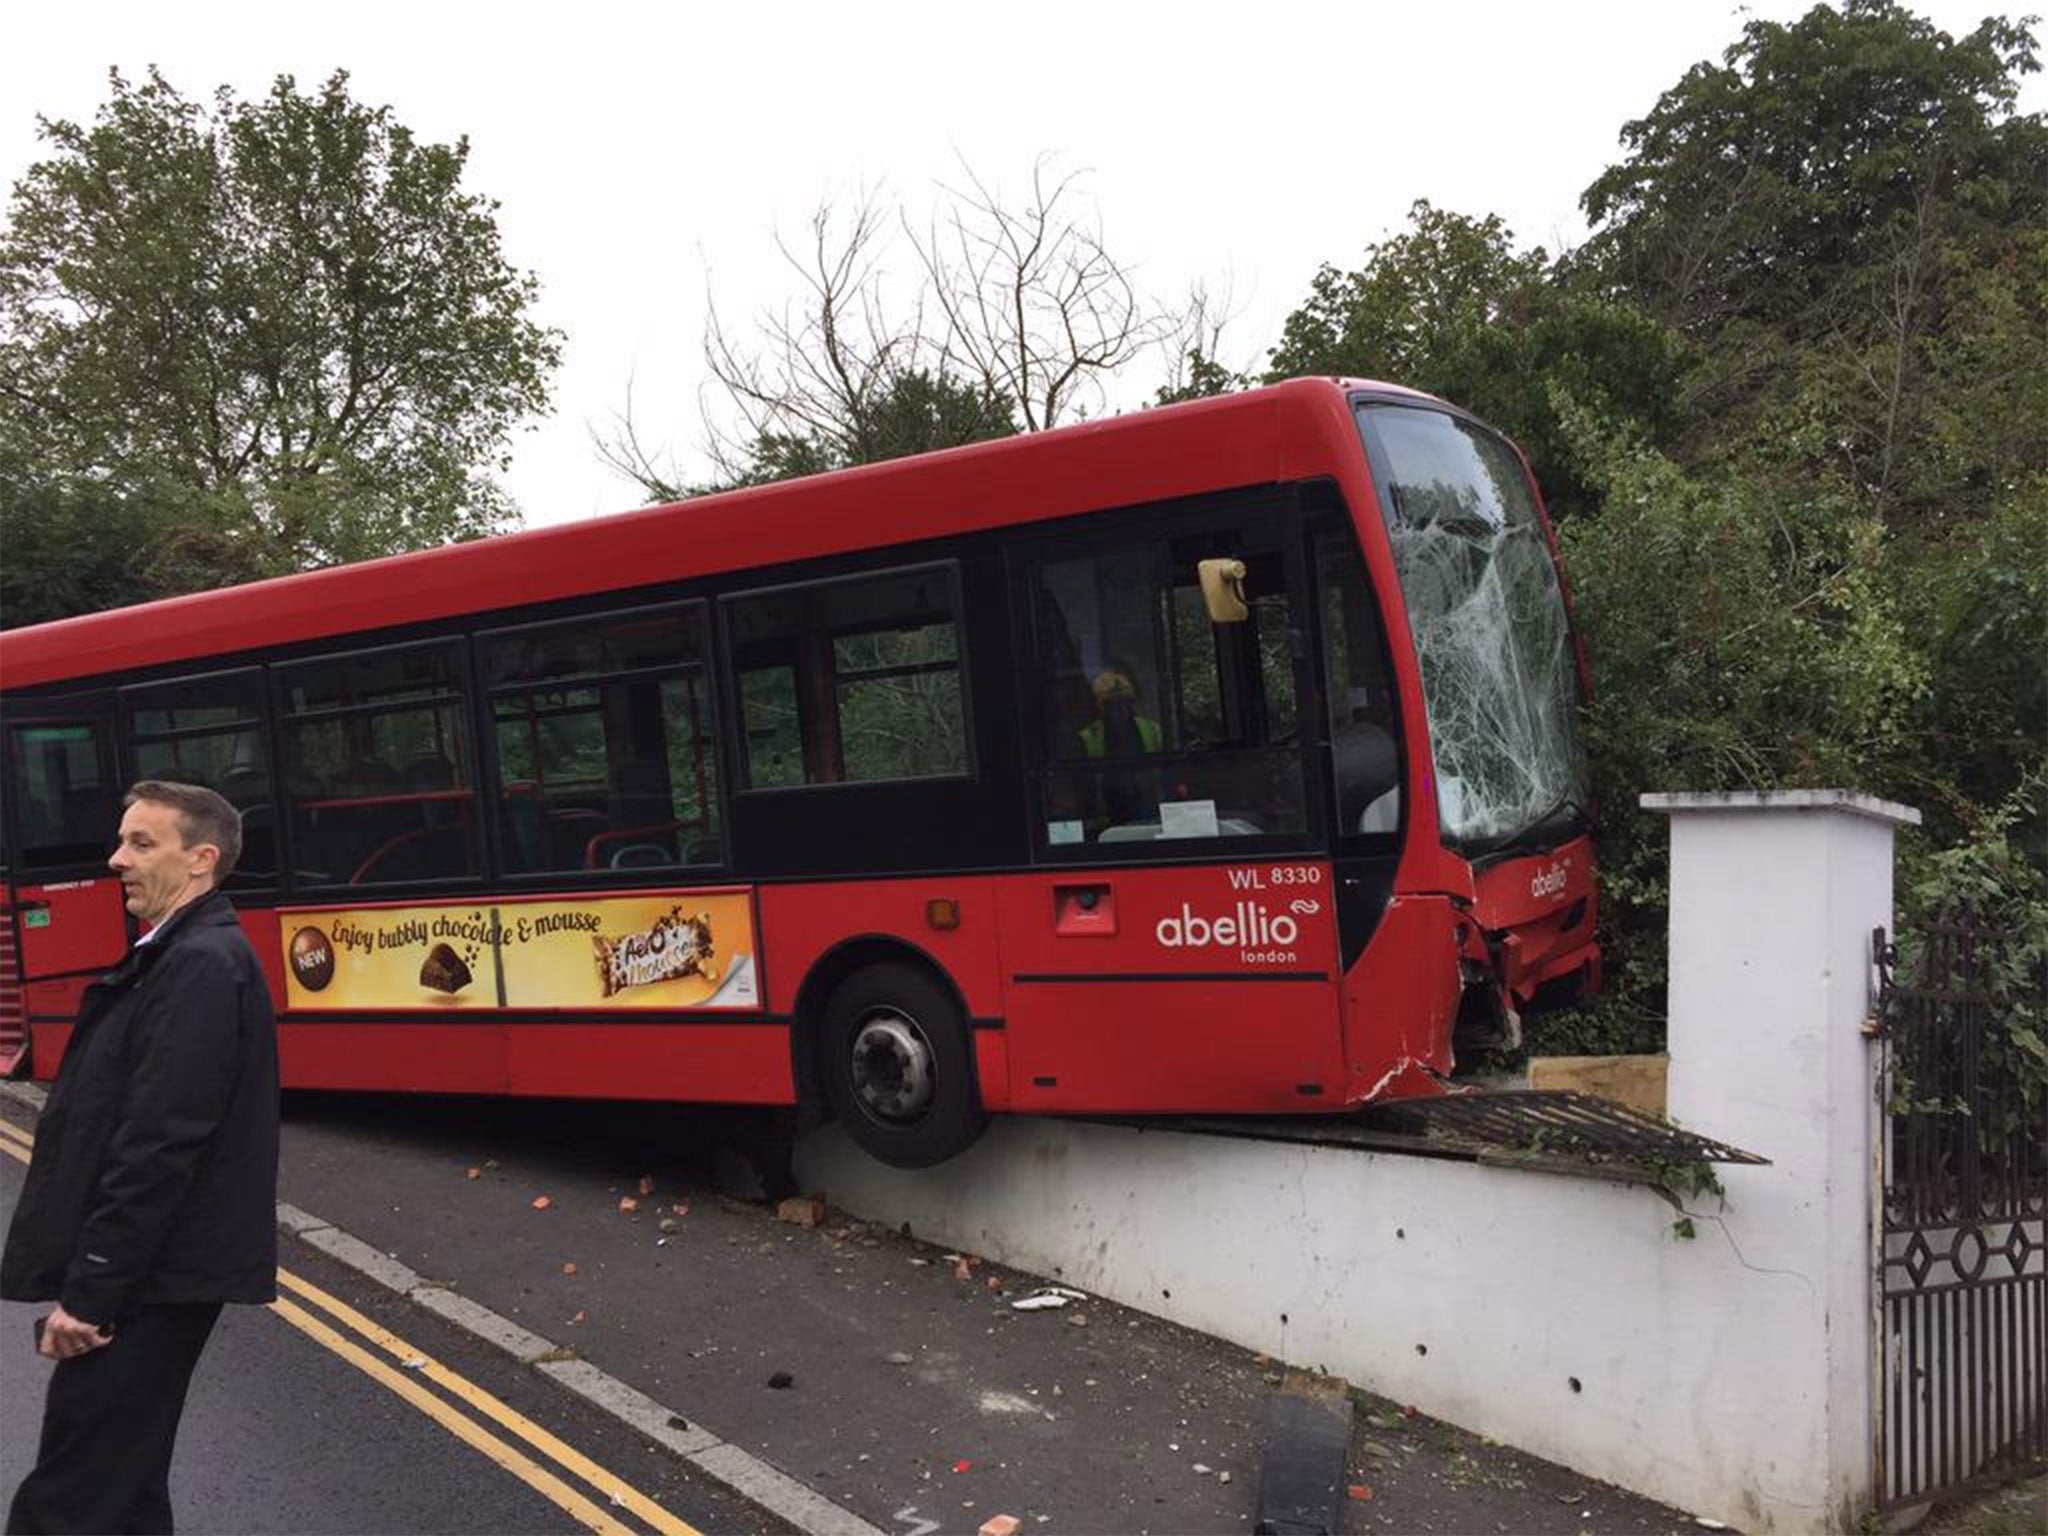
x,y
1491,716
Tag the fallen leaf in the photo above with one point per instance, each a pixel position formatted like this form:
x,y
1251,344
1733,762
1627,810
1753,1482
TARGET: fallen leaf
x,y
962,1270
1359,1491
542,1202
569,1269
781,1381
628,1204
646,1183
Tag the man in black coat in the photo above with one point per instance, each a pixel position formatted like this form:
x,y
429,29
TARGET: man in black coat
x,y
152,1196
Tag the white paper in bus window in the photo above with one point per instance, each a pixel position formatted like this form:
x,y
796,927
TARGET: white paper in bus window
x,y
1188,818
1057,832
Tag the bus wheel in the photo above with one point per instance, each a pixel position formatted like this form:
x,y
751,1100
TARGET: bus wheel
x,y
897,1070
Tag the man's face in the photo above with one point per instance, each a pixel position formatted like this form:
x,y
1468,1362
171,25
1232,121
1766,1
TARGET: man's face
x,y
159,874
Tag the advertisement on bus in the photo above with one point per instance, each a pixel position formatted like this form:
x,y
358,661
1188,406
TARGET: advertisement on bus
x,y
647,950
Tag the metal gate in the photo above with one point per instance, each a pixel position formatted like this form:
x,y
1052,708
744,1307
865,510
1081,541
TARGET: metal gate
x,y
1961,1272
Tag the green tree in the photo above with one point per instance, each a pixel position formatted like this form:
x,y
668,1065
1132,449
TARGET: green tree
x,y
281,327
1845,217
1451,306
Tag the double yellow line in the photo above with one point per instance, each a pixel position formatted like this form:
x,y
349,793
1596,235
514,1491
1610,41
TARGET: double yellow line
x,y
417,1366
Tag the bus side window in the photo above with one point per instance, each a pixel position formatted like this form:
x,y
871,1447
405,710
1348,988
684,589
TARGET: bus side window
x,y
377,767
604,740
1159,723
65,809
1364,741
854,680
209,730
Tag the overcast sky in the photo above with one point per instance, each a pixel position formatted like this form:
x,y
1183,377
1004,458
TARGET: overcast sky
x,y
645,155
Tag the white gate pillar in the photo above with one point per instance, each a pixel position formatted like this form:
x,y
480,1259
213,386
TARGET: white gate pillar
x,y
1773,899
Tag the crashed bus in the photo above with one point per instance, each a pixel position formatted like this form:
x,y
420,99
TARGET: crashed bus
x,y
1221,758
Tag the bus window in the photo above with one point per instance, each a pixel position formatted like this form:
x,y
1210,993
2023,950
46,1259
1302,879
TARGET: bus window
x,y
854,681
64,806
209,730
604,741
377,767
1363,716
1160,724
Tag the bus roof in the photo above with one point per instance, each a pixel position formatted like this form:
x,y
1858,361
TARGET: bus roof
x,y
1288,431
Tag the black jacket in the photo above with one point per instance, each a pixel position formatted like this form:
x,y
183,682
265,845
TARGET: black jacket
x,y
154,1177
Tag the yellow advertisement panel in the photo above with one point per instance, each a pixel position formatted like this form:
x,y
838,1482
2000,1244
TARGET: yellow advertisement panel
x,y
647,949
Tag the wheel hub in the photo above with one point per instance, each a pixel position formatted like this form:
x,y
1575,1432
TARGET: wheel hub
x,y
893,1068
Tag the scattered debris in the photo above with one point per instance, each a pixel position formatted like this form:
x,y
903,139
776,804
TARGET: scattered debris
x,y
1359,1492
646,1184
1410,1411
897,1357
416,1363
963,1269
628,1205
1202,1469
472,1173
781,1381
1077,1320
677,1421
962,1465
680,1208
569,1268
1222,1477
1710,1525
577,1320
1046,1299
922,1263
802,1211
666,1224
542,1202
1000,1525
994,1282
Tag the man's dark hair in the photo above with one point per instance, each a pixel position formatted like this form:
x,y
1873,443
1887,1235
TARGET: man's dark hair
x,y
203,817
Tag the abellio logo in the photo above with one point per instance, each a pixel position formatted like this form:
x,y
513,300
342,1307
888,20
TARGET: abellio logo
x,y
1551,882
1249,925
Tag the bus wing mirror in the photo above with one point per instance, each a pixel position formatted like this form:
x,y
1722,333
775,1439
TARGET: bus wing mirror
x,y
1223,590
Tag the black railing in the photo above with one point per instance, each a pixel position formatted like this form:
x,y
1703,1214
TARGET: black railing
x,y
1962,1261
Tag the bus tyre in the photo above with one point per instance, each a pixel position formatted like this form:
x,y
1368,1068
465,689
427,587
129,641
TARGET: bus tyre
x,y
898,1073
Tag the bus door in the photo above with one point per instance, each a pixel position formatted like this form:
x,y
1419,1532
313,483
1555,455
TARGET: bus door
x,y
1399,957
1177,943
62,806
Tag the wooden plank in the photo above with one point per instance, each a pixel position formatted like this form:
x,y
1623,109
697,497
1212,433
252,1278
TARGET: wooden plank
x,y
1634,1081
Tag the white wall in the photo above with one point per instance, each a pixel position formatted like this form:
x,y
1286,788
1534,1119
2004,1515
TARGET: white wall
x,y
1727,1374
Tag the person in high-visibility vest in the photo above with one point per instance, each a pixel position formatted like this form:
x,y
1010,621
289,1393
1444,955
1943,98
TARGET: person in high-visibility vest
x,y
1118,730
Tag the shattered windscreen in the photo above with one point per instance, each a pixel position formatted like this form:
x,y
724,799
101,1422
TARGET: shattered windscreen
x,y
1499,678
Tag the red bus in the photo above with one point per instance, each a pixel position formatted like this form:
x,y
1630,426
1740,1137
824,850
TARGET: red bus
x,y
1220,758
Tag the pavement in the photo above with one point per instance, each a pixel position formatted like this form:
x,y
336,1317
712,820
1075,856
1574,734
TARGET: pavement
x,y
895,1383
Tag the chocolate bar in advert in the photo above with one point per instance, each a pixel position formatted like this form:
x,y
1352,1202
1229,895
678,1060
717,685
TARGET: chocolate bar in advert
x,y
675,947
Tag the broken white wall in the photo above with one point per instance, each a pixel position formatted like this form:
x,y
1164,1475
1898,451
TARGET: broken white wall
x,y
1728,1375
